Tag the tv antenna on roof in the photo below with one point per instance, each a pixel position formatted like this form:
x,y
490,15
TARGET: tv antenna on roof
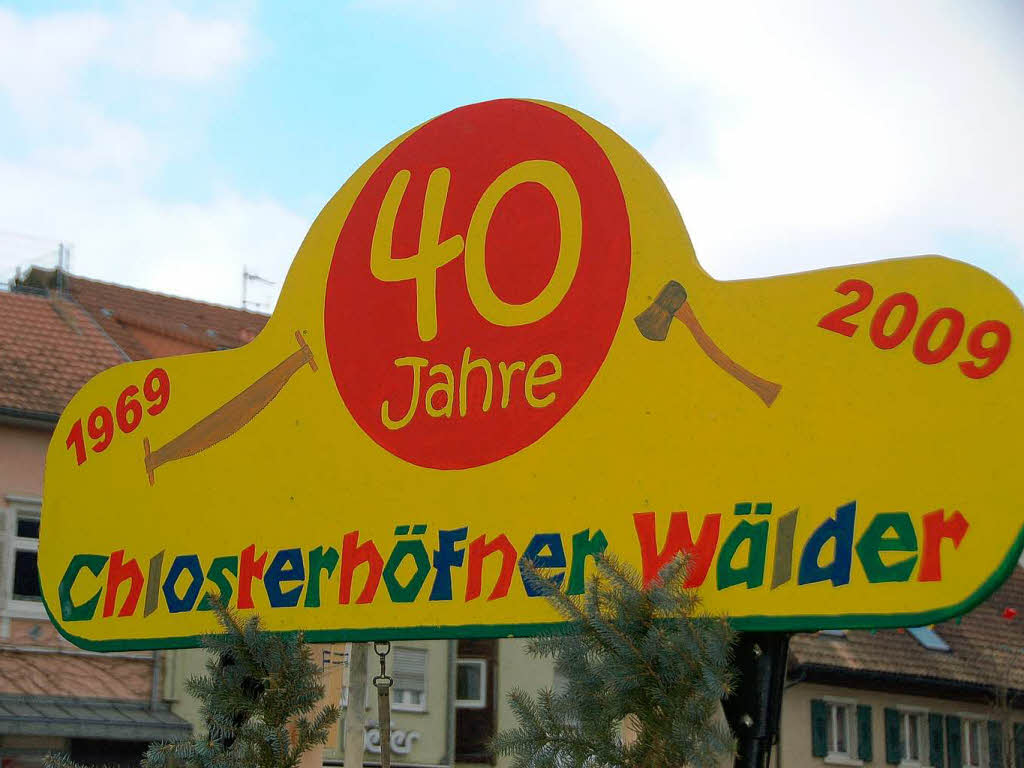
x,y
248,277
63,266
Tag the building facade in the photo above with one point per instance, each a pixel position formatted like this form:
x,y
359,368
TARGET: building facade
x,y
98,708
946,696
53,696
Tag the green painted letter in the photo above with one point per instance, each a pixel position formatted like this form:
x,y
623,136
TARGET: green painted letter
x,y
68,610
753,572
874,541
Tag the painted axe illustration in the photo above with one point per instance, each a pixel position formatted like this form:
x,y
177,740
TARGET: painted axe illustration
x,y
655,321
233,415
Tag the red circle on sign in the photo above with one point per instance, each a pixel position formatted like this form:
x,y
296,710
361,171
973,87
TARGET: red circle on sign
x,y
385,353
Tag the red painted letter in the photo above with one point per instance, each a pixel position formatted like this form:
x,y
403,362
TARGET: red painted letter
x,y
937,528
354,554
249,568
478,550
118,572
678,540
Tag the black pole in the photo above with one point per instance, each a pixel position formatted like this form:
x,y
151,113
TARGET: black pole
x,y
754,708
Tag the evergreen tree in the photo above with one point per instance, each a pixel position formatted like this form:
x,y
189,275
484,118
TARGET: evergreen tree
x,y
648,657
258,697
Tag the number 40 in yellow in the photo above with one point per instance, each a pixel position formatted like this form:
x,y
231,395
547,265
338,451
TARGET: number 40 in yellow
x,y
433,254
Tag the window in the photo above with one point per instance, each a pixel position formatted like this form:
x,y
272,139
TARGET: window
x,y
471,683
409,669
21,529
913,737
841,731
975,743
838,732
476,715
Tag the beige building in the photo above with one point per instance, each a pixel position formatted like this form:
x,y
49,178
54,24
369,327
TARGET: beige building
x,y
53,696
947,696
448,697
98,708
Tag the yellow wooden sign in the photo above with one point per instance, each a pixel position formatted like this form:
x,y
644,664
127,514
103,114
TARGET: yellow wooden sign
x,y
496,345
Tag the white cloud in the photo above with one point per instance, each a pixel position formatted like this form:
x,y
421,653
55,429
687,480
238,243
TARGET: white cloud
x,y
88,173
41,59
46,54
184,249
801,134
160,41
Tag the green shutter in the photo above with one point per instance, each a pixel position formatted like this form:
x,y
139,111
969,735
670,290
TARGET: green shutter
x,y
1018,745
893,747
995,744
819,728
864,732
935,741
954,742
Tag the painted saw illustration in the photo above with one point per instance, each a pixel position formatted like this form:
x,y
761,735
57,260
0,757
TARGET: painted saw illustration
x,y
233,415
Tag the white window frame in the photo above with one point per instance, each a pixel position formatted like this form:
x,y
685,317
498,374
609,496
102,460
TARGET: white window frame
x,y
923,742
966,720
478,703
23,507
832,756
397,702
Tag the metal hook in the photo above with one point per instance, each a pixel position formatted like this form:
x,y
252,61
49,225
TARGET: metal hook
x,y
382,648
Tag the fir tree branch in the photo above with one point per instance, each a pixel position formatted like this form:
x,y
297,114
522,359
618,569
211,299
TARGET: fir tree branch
x,y
646,654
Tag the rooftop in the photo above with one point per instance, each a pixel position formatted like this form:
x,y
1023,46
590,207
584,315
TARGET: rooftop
x,y
986,648
49,348
52,343
146,324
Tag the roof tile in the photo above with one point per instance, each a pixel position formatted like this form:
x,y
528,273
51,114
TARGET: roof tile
x,y
196,326
49,348
986,647
75,674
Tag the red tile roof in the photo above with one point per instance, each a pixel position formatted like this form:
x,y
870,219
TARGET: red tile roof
x,y
49,348
146,324
74,674
986,647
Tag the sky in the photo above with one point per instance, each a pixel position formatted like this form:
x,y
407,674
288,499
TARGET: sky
x,y
174,144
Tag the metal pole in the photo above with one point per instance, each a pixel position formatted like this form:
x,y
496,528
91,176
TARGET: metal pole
x,y
355,712
383,683
755,706
155,694
60,269
453,653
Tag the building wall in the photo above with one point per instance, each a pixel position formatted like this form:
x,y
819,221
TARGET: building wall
x,y
22,457
426,731
517,669
796,730
34,659
178,667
